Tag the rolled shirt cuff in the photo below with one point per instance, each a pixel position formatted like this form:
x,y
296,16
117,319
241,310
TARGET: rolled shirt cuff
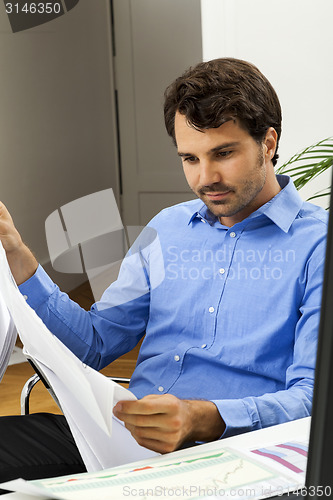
x,y
236,417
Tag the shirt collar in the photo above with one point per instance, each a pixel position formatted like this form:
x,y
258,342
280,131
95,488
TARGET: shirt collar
x,y
282,209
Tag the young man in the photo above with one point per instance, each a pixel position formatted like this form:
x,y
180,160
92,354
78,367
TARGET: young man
x,y
227,295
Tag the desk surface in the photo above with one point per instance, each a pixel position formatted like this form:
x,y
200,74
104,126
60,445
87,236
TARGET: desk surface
x,y
252,440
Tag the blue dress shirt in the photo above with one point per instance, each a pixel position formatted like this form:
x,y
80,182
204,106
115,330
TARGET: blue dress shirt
x,y
229,314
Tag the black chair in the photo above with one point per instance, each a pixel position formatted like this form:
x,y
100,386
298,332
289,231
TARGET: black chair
x,y
39,376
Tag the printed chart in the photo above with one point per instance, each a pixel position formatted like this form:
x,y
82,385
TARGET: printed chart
x,y
291,455
226,474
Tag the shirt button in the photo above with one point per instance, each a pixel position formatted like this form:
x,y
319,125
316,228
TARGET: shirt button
x,y
161,389
176,358
25,297
221,271
211,309
232,234
203,346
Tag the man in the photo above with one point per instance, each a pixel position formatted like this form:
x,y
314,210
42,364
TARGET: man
x,y
227,295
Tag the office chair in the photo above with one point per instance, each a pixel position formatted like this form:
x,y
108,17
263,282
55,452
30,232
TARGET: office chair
x,y
39,376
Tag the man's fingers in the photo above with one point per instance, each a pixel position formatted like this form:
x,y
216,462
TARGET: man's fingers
x,y
4,214
139,420
20,259
8,233
135,408
150,433
161,421
149,405
5,217
153,439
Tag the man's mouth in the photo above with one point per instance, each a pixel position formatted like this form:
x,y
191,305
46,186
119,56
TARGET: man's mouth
x,y
217,196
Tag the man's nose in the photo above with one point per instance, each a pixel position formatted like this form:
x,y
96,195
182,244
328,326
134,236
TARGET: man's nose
x,y
209,173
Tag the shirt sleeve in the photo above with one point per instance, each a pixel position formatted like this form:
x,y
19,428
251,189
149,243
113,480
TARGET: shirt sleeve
x,y
251,413
112,327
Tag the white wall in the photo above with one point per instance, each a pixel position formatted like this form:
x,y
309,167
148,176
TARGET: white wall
x,y
57,135
291,42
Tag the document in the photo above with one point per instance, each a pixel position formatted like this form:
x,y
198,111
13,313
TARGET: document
x,y
7,336
86,397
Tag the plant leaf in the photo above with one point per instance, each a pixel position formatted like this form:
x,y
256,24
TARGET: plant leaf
x,y
310,163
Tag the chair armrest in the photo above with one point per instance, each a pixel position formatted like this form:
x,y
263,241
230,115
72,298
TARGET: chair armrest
x,y
25,393
32,381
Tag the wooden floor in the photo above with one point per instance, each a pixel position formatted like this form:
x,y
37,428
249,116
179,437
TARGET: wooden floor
x,y
16,375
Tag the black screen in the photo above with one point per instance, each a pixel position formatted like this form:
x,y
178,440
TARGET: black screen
x,y
320,461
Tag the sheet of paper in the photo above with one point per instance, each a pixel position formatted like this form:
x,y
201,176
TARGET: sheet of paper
x,y
28,490
7,336
85,395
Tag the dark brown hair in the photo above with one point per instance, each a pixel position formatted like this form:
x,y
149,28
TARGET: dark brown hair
x,y
214,92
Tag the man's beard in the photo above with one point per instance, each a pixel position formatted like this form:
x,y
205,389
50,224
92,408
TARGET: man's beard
x,y
240,197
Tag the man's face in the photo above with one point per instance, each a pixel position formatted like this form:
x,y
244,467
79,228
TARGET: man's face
x,y
225,167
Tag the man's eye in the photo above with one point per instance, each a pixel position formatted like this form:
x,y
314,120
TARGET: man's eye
x,y
190,159
223,154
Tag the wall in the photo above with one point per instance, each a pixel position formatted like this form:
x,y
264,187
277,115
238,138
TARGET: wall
x,y
291,43
156,40
57,134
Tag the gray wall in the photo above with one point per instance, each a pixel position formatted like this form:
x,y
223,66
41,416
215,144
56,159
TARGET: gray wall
x,y
57,132
156,40
58,139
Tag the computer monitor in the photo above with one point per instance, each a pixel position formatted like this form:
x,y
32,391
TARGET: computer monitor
x,y
320,464
319,472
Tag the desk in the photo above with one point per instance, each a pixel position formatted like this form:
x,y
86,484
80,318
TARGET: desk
x,y
136,474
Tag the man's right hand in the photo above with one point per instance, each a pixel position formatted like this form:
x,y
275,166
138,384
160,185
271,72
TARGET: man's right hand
x,y
20,259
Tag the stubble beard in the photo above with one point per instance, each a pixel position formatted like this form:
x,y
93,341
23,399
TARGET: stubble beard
x,y
241,197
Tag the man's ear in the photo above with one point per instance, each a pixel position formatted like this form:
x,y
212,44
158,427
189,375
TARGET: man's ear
x,y
270,143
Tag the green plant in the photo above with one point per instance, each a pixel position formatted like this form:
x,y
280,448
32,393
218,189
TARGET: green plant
x,y
310,163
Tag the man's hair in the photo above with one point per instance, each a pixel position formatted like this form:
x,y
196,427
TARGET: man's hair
x,y
214,92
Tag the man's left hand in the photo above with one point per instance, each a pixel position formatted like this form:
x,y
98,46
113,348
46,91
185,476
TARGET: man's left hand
x,y
163,423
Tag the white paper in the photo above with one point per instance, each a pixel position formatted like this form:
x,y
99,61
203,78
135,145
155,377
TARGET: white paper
x,y
27,490
86,396
7,336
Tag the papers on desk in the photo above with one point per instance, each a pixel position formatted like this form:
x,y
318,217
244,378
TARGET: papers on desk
x,y
7,336
229,468
86,396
